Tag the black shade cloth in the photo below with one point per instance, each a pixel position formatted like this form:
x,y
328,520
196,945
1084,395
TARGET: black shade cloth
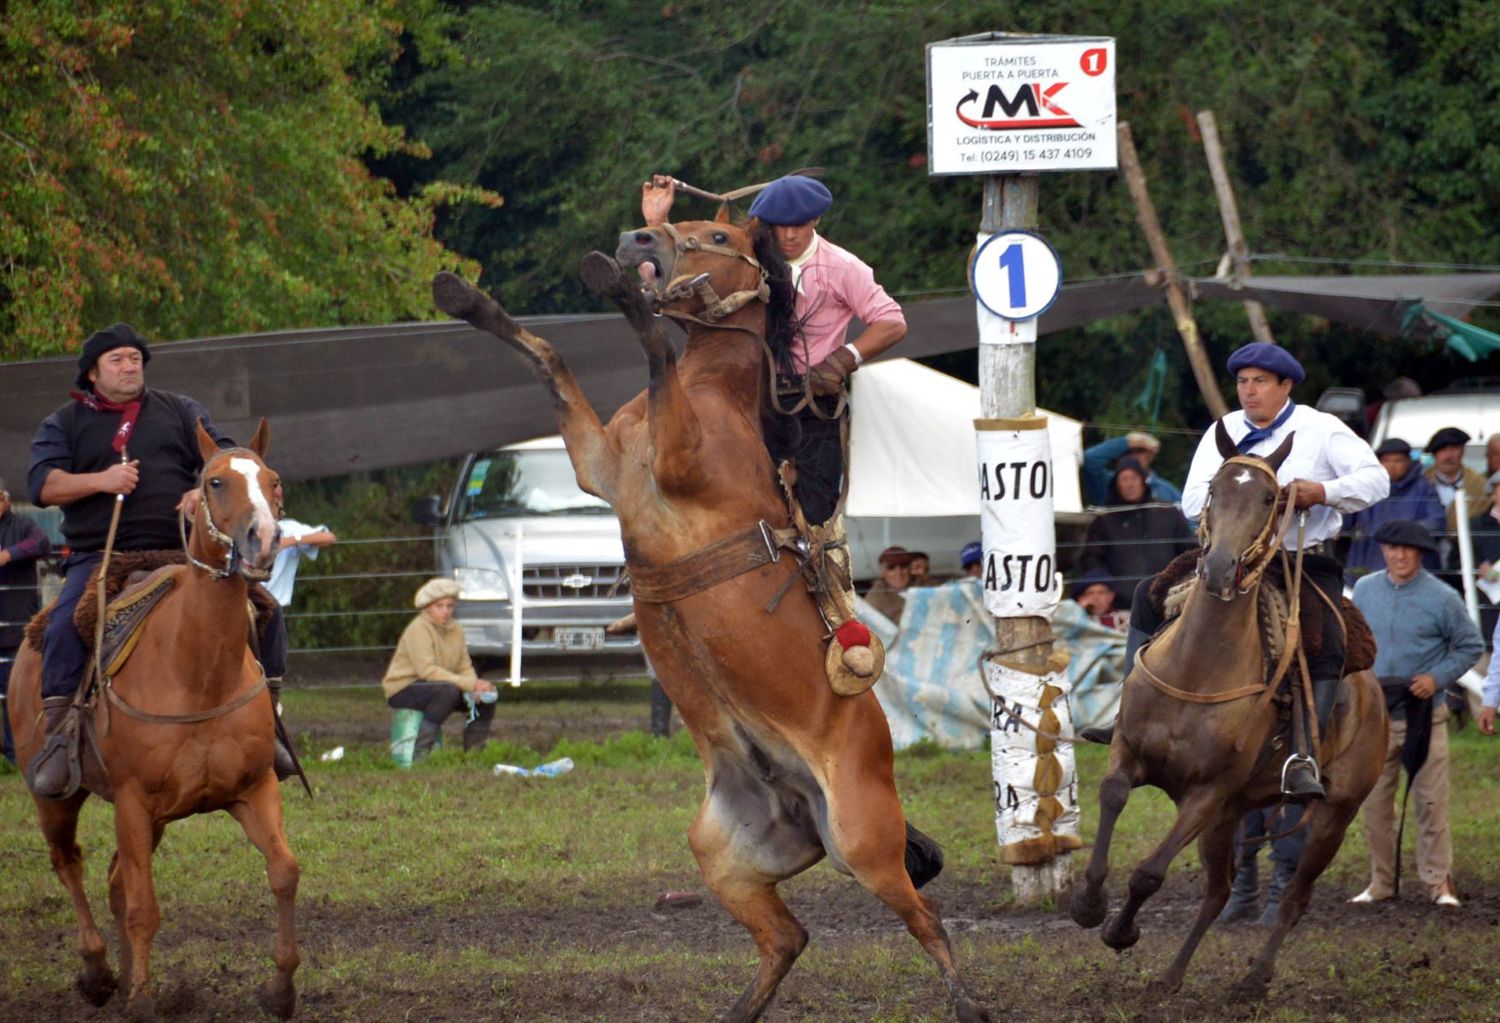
x,y
344,399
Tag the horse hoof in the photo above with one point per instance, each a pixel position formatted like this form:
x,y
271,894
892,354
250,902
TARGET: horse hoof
x,y
140,1009
97,985
967,1012
1251,990
453,295
600,274
1090,907
1162,988
277,998
1119,935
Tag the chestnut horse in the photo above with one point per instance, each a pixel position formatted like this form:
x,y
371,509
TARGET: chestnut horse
x,y
1193,723
184,727
794,772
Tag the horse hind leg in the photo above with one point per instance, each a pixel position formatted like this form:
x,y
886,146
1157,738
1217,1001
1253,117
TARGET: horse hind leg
x,y
867,831
1326,834
1216,849
59,825
743,850
259,813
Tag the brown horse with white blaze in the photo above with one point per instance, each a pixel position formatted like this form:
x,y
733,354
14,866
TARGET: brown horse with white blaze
x,y
185,726
794,772
1193,722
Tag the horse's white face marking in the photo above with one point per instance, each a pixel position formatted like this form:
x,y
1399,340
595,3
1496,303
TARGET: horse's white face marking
x,y
1244,477
248,468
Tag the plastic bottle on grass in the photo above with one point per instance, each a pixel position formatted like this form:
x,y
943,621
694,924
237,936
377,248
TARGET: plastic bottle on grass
x,y
554,768
502,769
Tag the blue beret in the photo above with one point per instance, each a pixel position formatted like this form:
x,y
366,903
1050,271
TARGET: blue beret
x,y
1267,356
972,554
792,200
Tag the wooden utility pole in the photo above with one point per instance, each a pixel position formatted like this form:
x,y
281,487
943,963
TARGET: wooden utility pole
x,y
1187,327
1007,390
1229,211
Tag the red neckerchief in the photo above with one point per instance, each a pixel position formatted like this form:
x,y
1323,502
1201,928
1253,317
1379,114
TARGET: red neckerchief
x,y
129,411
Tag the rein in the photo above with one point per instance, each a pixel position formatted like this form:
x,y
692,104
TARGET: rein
x,y
232,561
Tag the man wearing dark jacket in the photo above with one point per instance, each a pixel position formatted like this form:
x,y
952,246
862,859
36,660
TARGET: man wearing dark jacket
x,y
22,545
1132,539
115,440
1412,499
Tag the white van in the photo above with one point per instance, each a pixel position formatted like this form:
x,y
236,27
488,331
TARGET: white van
x,y
1415,420
522,504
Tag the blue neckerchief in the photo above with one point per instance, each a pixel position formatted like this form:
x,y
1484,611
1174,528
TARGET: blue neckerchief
x,y
1260,433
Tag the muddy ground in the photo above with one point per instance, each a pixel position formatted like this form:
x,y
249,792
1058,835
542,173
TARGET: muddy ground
x,y
1399,962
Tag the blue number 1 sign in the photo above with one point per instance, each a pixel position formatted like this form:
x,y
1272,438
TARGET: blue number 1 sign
x,y
1015,274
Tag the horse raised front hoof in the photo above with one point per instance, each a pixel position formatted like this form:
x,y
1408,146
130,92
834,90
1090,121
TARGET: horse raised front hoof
x,y
454,295
278,998
1119,935
602,275
1090,907
96,984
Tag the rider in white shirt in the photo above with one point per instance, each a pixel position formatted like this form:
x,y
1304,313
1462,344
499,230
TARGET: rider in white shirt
x,y
1332,472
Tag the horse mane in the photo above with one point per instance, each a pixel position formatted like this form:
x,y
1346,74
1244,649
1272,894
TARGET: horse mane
x,y
783,334
783,329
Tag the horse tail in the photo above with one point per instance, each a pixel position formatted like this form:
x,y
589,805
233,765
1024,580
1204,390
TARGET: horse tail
x,y
924,857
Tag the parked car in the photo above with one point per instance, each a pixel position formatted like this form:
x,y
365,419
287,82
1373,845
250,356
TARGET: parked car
x,y
518,511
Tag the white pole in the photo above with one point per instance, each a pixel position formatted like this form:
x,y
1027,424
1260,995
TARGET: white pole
x,y
516,599
1465,549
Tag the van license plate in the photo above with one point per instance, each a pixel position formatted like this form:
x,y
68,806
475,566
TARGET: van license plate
x,y
588,638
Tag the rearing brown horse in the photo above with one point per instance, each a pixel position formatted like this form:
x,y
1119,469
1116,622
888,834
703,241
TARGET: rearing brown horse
x,y
184,727
794,772
1191,724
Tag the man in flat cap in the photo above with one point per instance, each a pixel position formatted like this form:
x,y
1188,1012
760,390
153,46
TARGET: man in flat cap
x,y
115,437
1449,475
833,287
1331,472
1412,498
1424,641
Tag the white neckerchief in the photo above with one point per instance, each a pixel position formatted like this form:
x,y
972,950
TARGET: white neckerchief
x,y
800,261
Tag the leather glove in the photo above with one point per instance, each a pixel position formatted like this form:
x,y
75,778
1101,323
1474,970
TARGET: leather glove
x,y
827,377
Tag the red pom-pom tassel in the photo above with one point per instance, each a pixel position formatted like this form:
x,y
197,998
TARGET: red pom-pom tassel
x,y
853,633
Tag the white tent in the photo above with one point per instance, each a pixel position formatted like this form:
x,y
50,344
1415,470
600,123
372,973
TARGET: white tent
x,y
913,476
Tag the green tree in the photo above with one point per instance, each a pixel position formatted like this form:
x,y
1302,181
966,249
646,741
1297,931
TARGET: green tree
x,y
198,169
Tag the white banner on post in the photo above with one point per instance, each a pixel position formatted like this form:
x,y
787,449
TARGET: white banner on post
x,y
1036,784
1015,517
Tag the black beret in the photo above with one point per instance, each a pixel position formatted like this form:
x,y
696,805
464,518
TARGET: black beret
x,y
1405,533
1393,446
1447,437
116,335
1093,577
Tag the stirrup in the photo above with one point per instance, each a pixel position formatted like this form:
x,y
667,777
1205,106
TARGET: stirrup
x,y
1317,777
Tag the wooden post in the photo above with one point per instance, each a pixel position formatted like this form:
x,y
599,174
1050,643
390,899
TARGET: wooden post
x,y
1007,390
1229,211
1187,327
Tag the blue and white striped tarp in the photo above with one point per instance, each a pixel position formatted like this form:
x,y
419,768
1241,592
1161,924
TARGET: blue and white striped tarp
x,y
932,689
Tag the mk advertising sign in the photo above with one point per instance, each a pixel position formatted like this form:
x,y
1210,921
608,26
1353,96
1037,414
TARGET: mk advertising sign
x,y
999,104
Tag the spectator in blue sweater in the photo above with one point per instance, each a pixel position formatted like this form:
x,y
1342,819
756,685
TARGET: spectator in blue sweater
x,y
1099,468
1424,642
1412,498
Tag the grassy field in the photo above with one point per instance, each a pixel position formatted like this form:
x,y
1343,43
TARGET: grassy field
x,y
446,893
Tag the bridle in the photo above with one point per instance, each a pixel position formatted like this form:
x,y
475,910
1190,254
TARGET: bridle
x,y
233,560
1262,550
715,308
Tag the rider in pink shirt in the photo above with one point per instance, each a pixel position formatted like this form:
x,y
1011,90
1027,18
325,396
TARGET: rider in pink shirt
x,y
833,287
